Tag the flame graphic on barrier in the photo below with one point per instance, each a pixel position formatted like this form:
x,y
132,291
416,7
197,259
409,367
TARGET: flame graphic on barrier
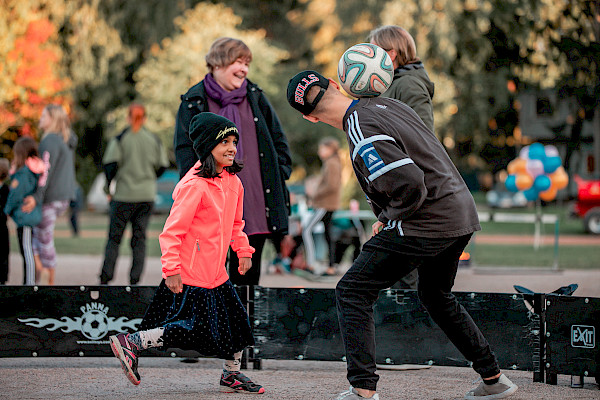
x,y
94,324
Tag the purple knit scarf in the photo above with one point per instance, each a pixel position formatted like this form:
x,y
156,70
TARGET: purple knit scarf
x,y
228,101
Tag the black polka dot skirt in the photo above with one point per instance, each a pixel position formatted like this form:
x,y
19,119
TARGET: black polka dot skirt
x,y
212,322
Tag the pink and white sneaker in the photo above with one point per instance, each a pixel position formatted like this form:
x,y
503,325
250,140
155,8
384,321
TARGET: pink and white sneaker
x,y
127,353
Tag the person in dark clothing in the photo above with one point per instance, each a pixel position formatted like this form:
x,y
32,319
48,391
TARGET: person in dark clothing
x,y
425,218
4,236
74,207
262,147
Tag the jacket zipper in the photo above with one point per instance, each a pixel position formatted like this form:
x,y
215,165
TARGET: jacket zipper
x,y
194,254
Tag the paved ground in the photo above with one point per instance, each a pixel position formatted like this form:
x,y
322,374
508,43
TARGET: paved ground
x,y
101,378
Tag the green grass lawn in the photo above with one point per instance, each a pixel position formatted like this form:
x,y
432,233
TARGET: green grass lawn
x,y
569,257
483,254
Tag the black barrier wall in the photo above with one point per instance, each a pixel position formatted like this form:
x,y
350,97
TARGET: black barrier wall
x,y
572,324
303,324
546,334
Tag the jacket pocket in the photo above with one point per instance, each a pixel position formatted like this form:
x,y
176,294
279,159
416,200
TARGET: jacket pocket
x,y
195,253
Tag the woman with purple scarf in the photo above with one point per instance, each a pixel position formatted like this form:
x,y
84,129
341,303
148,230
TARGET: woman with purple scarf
x,y
262,147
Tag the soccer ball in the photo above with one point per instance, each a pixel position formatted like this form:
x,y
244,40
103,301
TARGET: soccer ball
x,y
94,324
365,70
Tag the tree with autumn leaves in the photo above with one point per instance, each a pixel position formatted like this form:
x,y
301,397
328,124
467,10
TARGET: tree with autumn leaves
x,y
99,55
30,80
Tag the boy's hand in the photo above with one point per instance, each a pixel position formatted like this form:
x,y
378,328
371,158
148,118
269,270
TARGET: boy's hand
x,y
245,265
174,283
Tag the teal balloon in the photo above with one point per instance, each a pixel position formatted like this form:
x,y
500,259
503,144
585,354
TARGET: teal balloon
x,y
542,183
537,151
511,183
531,194
551,164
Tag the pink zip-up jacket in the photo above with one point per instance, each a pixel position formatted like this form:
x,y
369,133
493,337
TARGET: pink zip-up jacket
x,y
205,219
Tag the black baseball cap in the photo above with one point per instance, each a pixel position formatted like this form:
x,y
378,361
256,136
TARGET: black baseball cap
x,y
298,87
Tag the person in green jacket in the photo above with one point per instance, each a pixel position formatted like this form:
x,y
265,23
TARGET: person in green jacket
x,y
411,84
134,159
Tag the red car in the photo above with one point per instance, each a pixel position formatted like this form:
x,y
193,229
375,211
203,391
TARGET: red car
x,y
588,203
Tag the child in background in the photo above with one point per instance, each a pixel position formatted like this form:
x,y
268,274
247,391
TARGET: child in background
x,y
325,200
4,238
28,168
196,307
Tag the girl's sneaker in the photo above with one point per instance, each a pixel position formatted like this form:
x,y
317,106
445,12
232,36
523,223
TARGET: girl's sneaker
x,y
127,353
235,381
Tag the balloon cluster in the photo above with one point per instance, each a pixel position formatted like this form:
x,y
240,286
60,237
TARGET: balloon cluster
x,y
537,172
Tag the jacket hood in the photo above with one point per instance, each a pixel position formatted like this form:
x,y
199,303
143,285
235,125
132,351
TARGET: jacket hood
x,y
36,165
72,142
416,70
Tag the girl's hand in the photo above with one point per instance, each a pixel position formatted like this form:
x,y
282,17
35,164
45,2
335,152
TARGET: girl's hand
x,y
245,265
377,226
174,283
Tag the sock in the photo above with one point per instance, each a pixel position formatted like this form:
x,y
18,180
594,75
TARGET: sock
x,y
149,338
491,381
233,365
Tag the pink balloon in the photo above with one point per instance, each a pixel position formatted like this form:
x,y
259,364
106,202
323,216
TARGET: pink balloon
x,y
524,153
551,151
535,167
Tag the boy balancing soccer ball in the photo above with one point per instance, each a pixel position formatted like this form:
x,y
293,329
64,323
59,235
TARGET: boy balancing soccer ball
x,y
425,218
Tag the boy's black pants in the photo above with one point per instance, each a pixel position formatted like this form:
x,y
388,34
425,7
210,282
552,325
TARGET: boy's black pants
x,y
386,258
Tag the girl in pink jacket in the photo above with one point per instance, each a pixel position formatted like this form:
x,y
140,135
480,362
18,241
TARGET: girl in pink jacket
x,y
196,307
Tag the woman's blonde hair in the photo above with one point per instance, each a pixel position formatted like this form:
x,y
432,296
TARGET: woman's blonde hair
x,y
224,51
392,37
59,121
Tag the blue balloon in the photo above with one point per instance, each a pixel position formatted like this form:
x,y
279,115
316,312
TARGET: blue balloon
x,y
537,151
551,164
531,194
541,183
511,183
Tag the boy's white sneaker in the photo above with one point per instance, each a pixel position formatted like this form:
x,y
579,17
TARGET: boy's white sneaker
x,y
352,394
499,390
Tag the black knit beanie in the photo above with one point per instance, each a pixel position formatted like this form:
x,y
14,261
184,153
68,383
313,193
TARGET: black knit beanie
x,y
207,130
